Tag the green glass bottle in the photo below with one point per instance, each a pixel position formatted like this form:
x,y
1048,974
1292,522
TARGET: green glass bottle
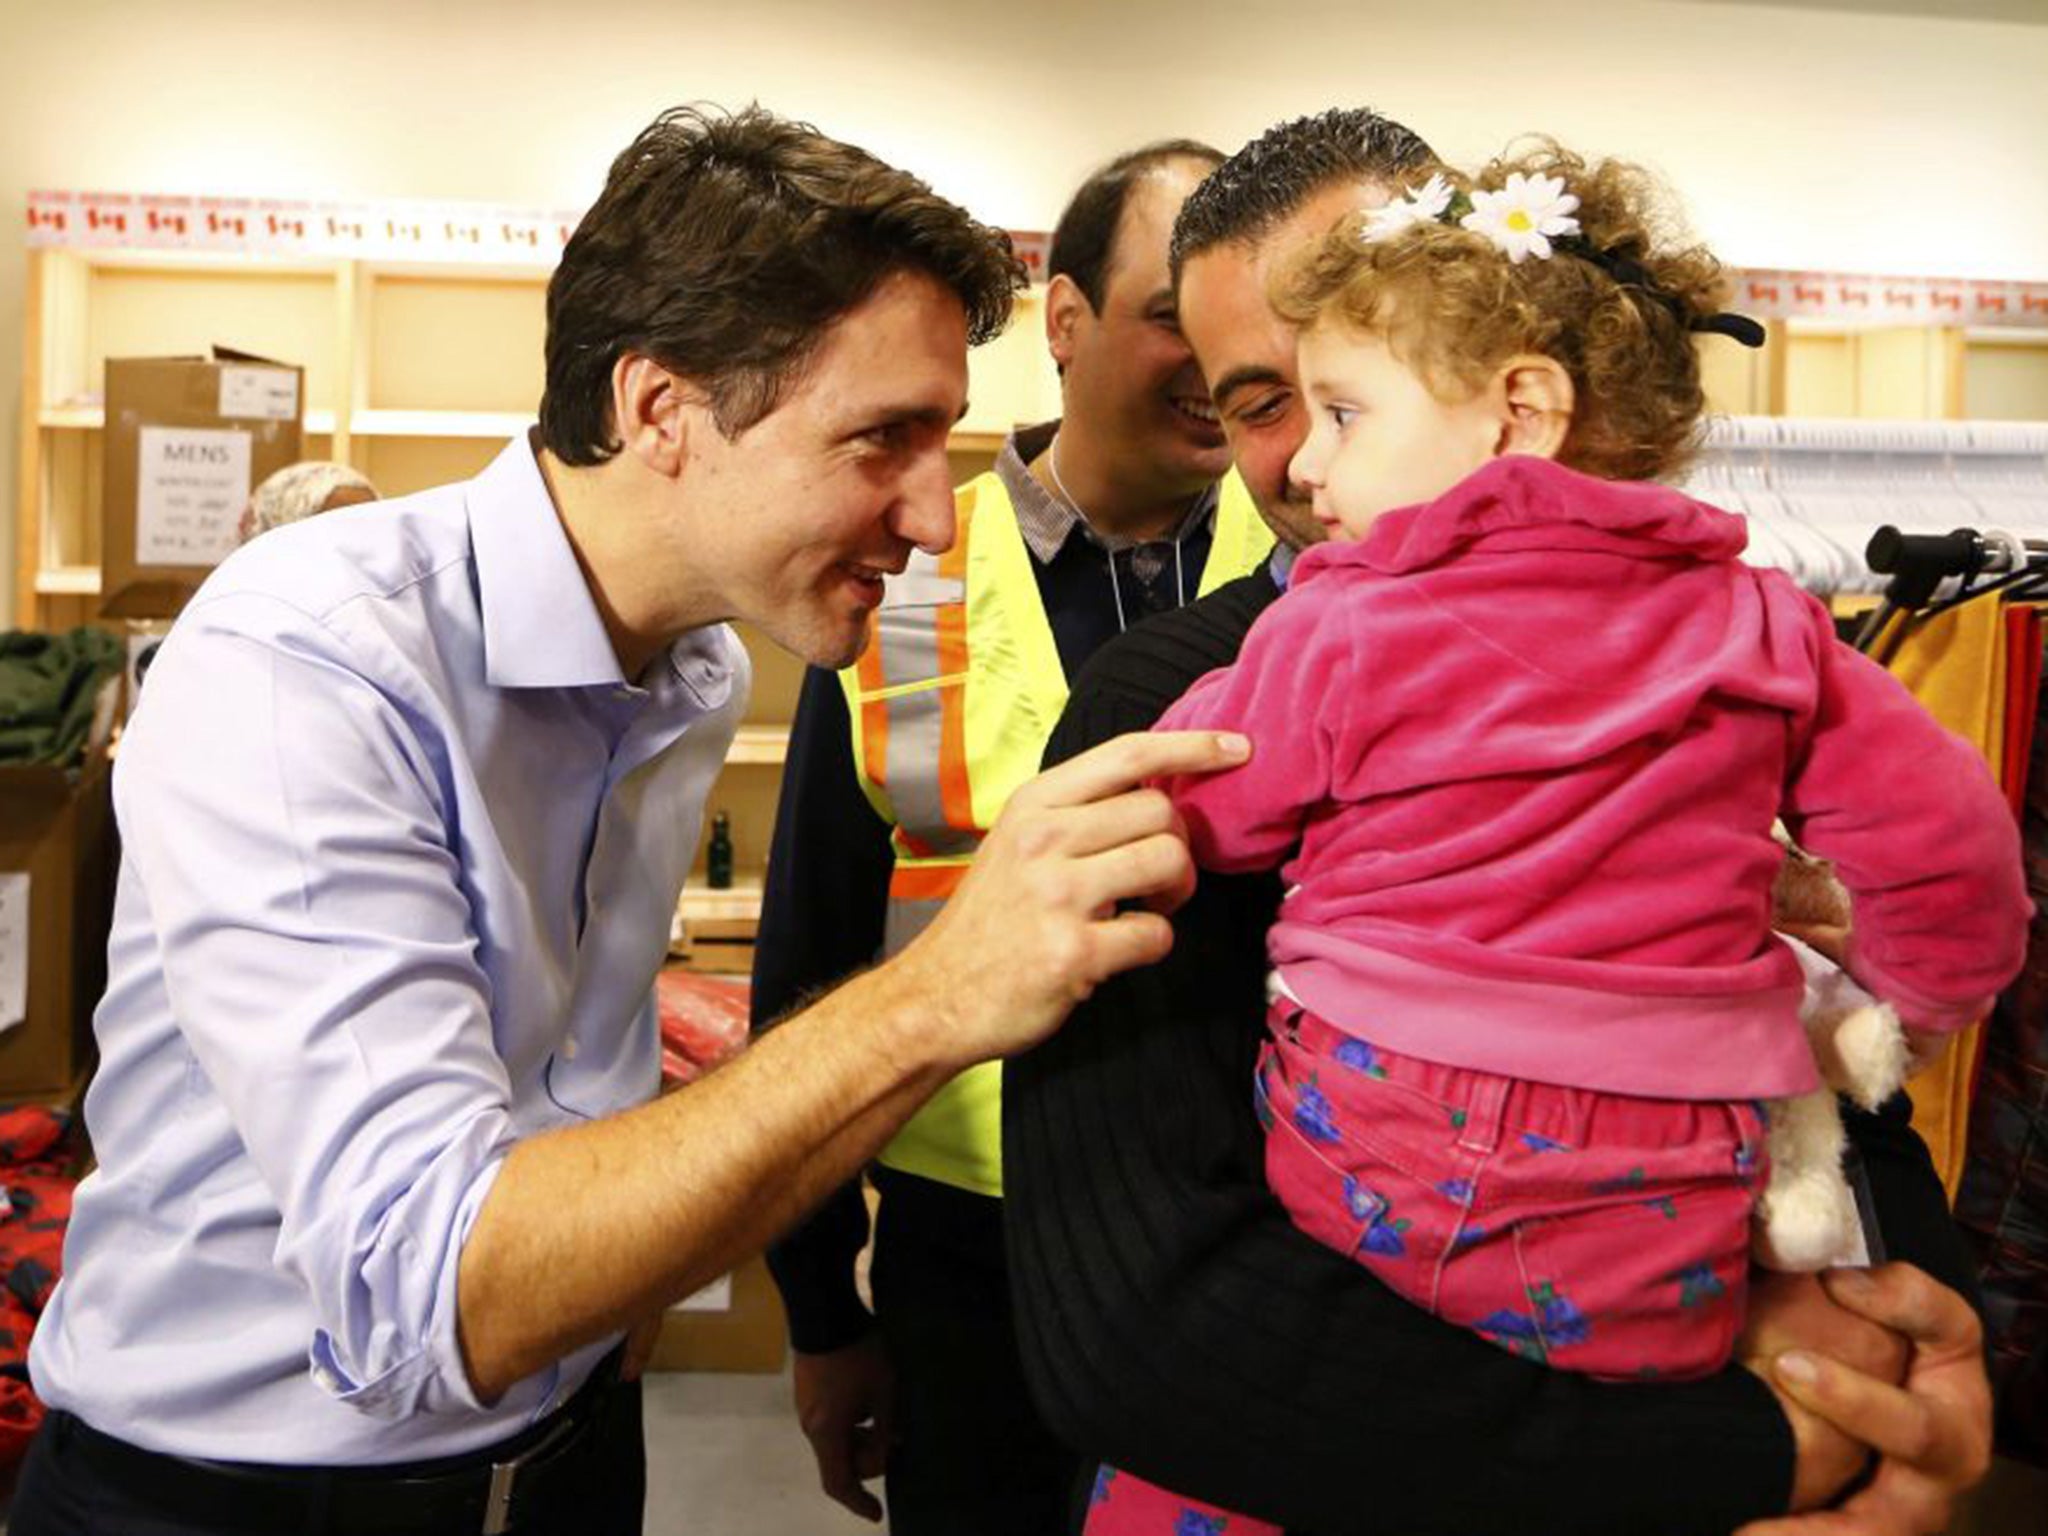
x,y
718,856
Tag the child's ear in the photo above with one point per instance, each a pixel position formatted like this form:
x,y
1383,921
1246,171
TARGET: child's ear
x,y
1534,397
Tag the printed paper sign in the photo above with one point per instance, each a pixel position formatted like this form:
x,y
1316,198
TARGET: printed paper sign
x,y
13,949
268,394
715,1297
190,491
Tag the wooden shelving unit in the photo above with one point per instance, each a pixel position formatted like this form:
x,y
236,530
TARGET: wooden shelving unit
x,y
1818,369
416,373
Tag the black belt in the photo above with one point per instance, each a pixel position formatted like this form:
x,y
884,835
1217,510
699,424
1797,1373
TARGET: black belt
x,y
539,1474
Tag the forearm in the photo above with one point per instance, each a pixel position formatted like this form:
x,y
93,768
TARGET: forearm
x,y
655,1202
587,1228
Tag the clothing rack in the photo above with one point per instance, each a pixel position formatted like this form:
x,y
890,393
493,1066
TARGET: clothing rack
x,y
1816,491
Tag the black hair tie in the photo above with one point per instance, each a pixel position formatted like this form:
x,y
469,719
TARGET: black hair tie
x,y
1739,328
1630,273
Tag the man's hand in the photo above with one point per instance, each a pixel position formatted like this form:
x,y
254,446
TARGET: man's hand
x,y
1035,925
1793,1313
842,1405
1932,1432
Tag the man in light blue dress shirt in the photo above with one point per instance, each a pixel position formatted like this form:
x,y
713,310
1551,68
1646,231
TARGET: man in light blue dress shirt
x,y
405,814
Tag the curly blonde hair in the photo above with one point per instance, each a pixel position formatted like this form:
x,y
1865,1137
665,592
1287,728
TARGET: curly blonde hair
x,y
1454,307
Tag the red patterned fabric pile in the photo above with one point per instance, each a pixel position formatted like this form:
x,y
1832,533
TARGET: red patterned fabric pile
x,y
703,1022
35,1171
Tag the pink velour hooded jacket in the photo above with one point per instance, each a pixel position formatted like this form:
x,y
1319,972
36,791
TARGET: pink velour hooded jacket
x,y
1530,739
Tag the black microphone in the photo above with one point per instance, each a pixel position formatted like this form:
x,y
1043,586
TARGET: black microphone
x,y
1919,562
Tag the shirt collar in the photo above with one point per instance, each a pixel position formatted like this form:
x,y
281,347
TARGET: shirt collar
x,y
1048,521
541,625
1281,566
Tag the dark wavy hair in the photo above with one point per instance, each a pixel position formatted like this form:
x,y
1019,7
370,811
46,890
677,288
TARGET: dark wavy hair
x,y
1260,187
724,246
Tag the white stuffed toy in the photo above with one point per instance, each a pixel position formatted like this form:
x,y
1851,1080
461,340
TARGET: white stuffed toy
x,y
1807,1217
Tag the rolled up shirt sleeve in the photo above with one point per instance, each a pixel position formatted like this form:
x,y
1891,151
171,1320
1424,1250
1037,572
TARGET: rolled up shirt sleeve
x,y
296,844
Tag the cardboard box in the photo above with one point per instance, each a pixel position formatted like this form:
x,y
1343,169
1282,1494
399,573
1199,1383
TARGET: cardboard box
x,y
186,440
735,1324
56,904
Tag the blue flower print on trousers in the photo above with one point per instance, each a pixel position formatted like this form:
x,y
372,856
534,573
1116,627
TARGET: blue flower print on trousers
x,y
1698,1285
1382,1237
1631,1180
1552,1322
1369,1205
1563,1322
1193,1522
1362,1201
1312,1115
1104,1476
1385,1238
1359,1056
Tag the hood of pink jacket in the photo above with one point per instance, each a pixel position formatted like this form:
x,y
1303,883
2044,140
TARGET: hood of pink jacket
x,y
1519,503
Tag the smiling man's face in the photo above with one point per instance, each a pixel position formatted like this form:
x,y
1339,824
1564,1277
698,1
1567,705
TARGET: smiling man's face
x,y
1129,370
1247,354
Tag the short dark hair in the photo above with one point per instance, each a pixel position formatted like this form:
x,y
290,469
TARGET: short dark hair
x,y
1262,185
1084,240
724,246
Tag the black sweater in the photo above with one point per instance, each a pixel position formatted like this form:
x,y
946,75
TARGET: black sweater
x,y
1174,1322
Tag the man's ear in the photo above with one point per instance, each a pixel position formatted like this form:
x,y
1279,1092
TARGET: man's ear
x,y
654,411
1535,398
1066,308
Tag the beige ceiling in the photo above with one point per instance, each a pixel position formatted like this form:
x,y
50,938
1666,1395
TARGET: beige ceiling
x,y
2028,11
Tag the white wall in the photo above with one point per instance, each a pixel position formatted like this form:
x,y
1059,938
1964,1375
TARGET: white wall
x,y
1801,137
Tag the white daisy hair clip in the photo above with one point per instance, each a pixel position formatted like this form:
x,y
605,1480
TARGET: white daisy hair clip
x,y
1524,216
1426,204
1533,216
1520,219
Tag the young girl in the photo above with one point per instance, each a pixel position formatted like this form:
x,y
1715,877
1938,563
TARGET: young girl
x,y
1521,729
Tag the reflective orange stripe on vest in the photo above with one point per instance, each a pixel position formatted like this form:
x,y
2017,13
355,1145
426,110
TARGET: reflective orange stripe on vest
x,y
912,706
951,705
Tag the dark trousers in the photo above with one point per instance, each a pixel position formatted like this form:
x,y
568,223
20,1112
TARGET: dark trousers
x,y
60,1494
972,1457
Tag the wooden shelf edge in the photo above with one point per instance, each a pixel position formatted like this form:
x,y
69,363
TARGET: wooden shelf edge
x,y
975,440
425,424
395,423
699,903
93,418
759,744
68,581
